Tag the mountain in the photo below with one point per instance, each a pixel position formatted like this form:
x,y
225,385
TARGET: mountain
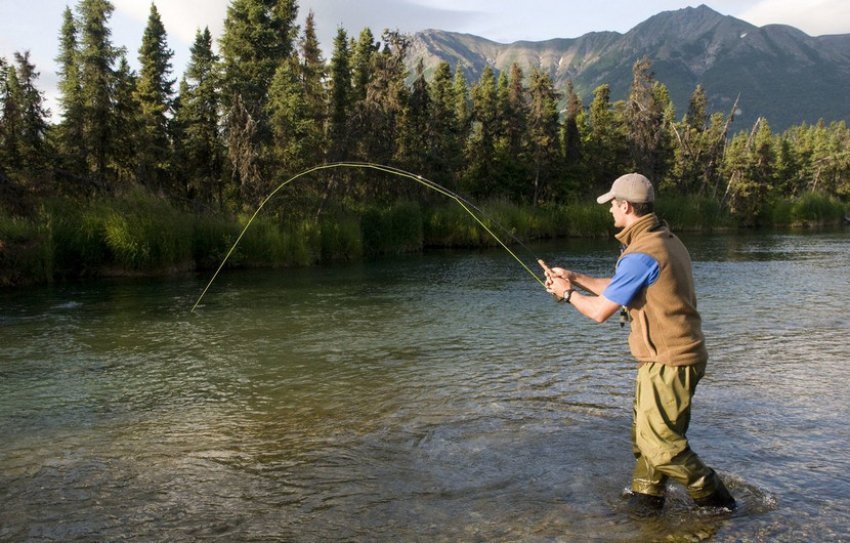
x,y
778,71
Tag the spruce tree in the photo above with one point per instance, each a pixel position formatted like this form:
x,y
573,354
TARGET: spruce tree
x,y
416,134
377,121
543,138
604,142
71,143
295,136
312,75
154,94
200,104
97,77
363,55
749,167
645,121
693,157
127,135
514,111
10,119
23,134
242,152
3,98
447,146
177,129
463,103
339,115
480,150
340,93
571,143
698,109
258,36
513,171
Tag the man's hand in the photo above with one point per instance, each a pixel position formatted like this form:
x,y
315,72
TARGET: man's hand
x,y
557,280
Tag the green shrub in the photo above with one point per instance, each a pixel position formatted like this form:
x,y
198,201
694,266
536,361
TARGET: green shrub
x,y
261,245
685,213
341,238
816,208
212,237
268,242
781,212
26,250
588,220
451,226
398,229
144,233
303,243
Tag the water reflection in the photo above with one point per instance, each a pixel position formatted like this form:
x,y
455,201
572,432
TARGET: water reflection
x,y
415,399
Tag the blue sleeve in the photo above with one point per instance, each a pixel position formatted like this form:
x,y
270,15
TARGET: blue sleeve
x,y
635,272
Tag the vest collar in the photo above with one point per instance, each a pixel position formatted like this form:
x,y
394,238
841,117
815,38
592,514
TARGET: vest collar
x,y
644,224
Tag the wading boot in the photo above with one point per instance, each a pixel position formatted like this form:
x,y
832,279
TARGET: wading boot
x,y
719,498
645,505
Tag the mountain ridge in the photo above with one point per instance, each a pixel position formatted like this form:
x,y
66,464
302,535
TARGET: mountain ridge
x,y
779,71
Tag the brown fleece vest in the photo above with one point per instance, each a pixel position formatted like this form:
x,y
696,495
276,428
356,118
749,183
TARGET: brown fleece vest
x,y
665,324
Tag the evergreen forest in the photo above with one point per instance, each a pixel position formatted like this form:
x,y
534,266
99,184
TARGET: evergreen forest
x,y
139,172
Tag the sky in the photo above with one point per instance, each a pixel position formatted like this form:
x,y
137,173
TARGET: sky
x,y
34,25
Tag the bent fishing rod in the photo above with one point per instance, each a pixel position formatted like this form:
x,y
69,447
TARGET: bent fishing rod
x,y
461,201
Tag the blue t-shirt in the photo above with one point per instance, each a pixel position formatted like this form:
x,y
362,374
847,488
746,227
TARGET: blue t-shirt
x,y
635,271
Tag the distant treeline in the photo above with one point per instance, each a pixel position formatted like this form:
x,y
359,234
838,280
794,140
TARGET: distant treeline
x,y
268,105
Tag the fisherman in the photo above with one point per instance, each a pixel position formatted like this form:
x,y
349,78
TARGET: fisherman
x,y
654,284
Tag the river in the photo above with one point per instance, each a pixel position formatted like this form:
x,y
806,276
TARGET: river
x,y
437,397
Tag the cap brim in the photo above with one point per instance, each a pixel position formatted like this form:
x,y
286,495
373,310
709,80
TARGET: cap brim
x,y
605,198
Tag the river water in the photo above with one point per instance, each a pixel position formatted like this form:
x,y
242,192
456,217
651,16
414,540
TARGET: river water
x,y
442,397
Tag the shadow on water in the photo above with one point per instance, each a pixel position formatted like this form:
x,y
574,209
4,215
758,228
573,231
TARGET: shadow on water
x,y
428,398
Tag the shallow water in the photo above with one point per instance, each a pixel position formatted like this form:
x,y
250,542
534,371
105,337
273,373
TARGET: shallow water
x,y
442,397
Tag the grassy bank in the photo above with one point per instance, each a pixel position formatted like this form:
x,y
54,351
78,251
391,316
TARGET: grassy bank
x,y
142,234
809,210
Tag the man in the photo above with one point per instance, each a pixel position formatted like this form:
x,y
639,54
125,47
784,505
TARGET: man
x,y
653,281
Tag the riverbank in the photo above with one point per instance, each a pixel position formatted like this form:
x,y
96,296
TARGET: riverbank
x,y
142,235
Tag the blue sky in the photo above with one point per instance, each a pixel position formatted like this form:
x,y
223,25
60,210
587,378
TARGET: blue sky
x,y
33,25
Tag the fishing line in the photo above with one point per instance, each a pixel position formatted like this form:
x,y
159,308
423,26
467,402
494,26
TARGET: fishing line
x,y
462,202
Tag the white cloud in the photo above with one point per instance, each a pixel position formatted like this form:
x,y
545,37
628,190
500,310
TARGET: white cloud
x,y
814,17
181,19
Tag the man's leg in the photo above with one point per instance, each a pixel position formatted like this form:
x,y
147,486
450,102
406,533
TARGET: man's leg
x,y
648,484
662,416
645,479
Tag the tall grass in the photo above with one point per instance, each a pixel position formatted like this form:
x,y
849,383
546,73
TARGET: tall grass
x,y
212,237
817,209
588,220
450,225
145,233
691,213
809,209
341,238
80,247
26,251
527,222
398,229
141,233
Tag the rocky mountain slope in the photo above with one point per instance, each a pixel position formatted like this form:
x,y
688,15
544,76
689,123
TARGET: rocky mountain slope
x,y
778,71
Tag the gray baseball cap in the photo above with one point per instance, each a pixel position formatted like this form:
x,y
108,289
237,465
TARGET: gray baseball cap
x,y
632,187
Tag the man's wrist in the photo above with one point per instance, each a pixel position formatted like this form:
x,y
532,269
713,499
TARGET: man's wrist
x,y
567,295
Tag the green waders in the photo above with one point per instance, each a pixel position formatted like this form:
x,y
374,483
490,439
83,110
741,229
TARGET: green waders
x,y
662,413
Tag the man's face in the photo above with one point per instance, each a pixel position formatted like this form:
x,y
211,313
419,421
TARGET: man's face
x,y
618,211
